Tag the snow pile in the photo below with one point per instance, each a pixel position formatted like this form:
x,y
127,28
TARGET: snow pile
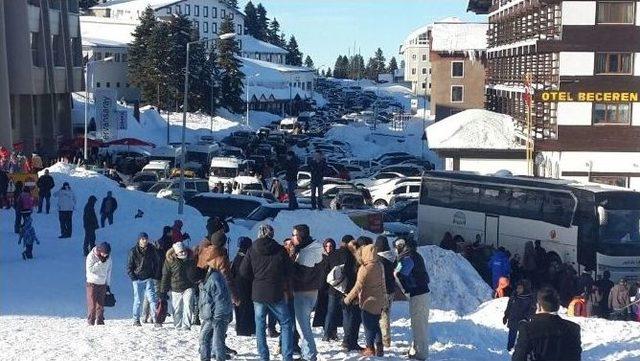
x,y
322,225
452,35
455,285
58,267
474,129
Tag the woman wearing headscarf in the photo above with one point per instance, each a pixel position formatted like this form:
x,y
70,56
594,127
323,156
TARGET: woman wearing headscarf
x,y
387,258
328,247
245,320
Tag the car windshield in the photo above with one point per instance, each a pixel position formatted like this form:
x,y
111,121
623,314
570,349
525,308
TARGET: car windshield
x,y
224,172
620,226
262,213
158,187
151,177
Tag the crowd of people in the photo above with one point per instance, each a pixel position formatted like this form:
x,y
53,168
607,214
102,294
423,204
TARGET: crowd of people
x,y
299,284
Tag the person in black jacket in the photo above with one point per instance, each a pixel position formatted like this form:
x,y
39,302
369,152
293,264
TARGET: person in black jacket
x,y
387,258
4,186
521,307
90,224
45,185
308,270
351,314
177,276
245,317
291,176
317,166
548,336
108,208
320,314
267,264
333,318
142,268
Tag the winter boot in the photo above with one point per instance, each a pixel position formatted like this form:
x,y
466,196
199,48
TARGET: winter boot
x,y
230,351
136,322
379,349
368,352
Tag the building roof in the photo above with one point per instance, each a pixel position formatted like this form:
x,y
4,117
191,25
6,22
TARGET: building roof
x,y
105,30
453,35
104,43
282,68
475,129
414,34
135,4
480,7
253,45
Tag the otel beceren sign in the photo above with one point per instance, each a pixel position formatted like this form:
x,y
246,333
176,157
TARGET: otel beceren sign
x,y
598,97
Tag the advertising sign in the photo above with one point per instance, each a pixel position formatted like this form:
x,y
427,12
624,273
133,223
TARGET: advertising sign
x,y
105,114
122,119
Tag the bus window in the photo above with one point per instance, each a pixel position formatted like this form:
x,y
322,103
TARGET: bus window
x,y
464,196
558,209
495,200
526,204
435,193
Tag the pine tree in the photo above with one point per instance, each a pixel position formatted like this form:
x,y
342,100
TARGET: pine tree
x,y
86,4
356,67
230,75
294,57
262,22
209,76
158,51
393,65
140,66
328,74
308,62
283,41
273,33
251,20
379,61
340,68
370,70
322,73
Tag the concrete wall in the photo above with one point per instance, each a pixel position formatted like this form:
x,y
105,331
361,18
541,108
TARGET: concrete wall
x,y
6,137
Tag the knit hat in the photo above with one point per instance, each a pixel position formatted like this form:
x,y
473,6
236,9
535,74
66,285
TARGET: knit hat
x,y
104,247
364,241
265,231
143,235
347,238
244,243
178,248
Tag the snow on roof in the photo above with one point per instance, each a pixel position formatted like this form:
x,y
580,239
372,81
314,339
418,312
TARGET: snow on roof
x,y
253,45
97,42
474,129
104,30
282,68
134,4
414,34
451,34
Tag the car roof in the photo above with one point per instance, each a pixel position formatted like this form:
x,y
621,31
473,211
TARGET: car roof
x,y
260,200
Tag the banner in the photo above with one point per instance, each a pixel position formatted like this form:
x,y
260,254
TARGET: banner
x,y
122,119
105,114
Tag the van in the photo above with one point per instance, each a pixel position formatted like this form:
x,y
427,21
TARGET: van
x,y
162,168
224,170
287,125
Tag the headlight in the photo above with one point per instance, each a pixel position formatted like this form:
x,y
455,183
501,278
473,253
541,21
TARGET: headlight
x,y
131,188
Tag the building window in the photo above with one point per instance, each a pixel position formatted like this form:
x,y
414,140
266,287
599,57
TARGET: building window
x,y
612,180
214,12
118,85
178,10
612,113
187,9
196,10
214,28
108,84
423,85
97,55
205,11
239,29
413,57
619,12
98,85
35,49
424,71
613,63
205,26
223,14
107,54
124,58
457,93
413,71
457,69
424,57
196,24
169,10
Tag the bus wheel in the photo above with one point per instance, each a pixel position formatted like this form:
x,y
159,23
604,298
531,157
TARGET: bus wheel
x,y
380,203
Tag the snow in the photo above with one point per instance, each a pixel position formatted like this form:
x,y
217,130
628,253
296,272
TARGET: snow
x,y
119,31
474,129
42,301
451,35
253,45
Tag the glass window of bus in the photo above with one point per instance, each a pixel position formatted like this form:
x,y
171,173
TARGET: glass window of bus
x,y
464,196
435,193
495,200
526,204
558,209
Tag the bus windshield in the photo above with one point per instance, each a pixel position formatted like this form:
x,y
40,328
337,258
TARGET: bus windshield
x,y
224,172
621,226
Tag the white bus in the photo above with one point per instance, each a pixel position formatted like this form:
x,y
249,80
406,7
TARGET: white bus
x,y
593,227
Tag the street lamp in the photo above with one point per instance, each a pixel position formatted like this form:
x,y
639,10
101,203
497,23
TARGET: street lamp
x,y
185,102
86,99
248,80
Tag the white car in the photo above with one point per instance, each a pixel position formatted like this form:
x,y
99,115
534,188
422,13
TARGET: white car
x,y
377,179
382,197
247,183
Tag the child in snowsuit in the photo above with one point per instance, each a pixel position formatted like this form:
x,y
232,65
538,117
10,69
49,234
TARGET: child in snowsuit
x,y
28,237
216,313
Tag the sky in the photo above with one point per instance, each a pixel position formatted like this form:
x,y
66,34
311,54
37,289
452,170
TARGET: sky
x,y
325,29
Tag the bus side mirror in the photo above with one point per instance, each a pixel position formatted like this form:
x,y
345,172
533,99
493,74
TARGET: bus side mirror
x,y
602,216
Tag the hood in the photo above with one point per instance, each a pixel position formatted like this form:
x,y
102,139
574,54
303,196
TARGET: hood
x,y
388,255
267,246
92,200
171,254
367,254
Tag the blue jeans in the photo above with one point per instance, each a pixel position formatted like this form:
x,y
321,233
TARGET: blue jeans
x,y
291,194
281,312
372,332
351,319
333,315
513,333
303,303
214,331
144,288
316,196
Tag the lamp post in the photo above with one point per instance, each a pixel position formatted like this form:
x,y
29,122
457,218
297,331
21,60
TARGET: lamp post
x,y
185,102
86,100
248,80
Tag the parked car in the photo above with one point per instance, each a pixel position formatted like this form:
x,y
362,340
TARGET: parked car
x,y
192,187
142,181
225,205
160,185
376,179
382,196
401,211
261,194
348,200
264,212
